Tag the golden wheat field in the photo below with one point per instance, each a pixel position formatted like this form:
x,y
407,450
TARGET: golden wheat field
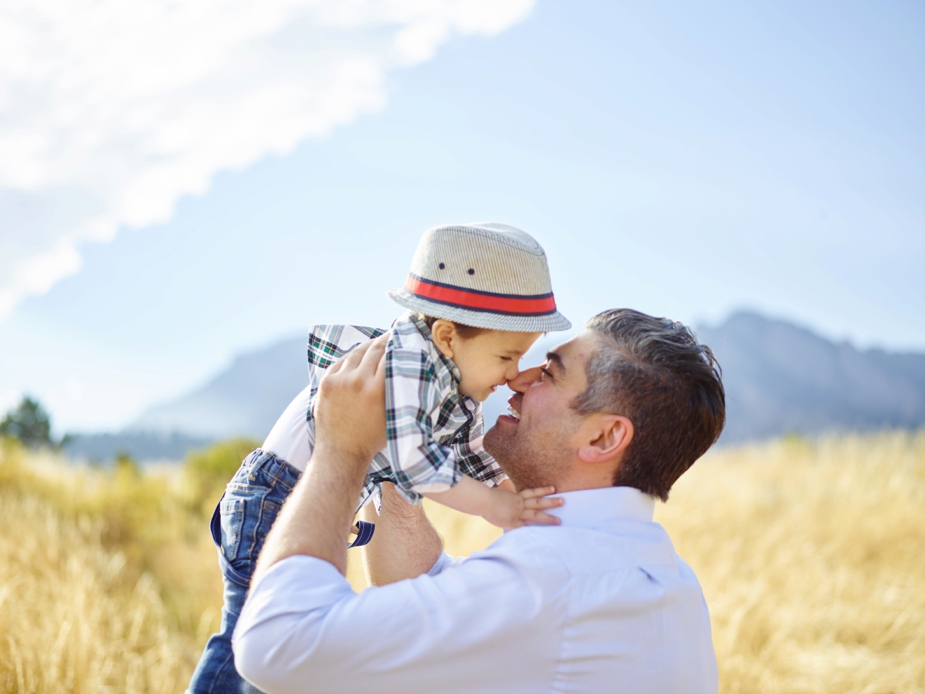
x,y
811,555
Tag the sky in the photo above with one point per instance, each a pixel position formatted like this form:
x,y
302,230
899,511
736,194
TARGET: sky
x,y
184,182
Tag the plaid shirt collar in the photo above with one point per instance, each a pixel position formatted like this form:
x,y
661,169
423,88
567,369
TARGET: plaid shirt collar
x,y
426,332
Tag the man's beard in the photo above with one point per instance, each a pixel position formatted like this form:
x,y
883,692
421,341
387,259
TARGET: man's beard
x,y
529,462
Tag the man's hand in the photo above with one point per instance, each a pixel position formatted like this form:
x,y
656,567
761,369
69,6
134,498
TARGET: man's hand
x,y
350,410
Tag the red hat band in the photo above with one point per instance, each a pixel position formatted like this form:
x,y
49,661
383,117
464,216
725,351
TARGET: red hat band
x,y
474,300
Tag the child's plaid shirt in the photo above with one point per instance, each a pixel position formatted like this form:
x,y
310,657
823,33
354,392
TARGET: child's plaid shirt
x,y
434,432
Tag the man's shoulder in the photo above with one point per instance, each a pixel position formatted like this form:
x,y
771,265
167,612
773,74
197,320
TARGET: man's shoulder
x,y
548,561
534,549
581,551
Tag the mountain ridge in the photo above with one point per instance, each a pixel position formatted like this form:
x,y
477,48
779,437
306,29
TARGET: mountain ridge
x,y
781,378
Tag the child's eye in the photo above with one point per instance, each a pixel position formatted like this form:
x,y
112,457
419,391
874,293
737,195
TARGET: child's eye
x,y
506,359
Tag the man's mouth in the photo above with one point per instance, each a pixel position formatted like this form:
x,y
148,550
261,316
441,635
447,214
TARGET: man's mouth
x,y
514,413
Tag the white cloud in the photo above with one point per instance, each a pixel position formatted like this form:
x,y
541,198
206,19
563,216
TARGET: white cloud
x,y
111,110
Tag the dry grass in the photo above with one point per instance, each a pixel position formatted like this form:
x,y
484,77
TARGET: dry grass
x,y
810,555
74,619
106,581
812,559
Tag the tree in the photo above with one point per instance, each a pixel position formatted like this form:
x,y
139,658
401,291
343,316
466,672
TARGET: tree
x,y
28,423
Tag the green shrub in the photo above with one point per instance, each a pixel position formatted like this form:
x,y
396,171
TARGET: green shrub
x,y
28,423
208,470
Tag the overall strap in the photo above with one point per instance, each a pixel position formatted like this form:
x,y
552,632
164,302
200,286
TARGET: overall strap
x,y
364,534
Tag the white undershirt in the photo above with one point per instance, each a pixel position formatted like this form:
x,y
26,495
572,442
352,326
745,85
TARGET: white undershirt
x,y
288,439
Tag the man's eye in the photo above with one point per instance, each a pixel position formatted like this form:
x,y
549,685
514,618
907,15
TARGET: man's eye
x,y
545,372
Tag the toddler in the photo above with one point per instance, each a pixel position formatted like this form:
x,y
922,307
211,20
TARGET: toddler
x,y
478,296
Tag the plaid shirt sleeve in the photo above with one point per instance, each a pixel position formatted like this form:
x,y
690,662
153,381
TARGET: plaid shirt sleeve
x,y
328,343
471,457
413,397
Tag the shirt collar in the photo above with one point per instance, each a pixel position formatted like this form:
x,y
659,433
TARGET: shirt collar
x,y
590,507
425,331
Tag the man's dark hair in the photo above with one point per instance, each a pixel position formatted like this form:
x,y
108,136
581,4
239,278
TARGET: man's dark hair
x,y
653,371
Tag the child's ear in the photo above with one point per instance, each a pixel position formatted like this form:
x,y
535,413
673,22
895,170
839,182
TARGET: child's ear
x,y
443,333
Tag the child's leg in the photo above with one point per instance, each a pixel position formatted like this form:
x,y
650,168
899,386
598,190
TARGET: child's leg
x,y
216,671
239,527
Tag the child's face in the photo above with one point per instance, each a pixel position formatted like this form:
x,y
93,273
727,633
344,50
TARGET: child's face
x,y
487,360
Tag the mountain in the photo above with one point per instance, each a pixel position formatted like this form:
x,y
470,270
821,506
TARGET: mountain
x,y
782,378
142,446
243,400
779,378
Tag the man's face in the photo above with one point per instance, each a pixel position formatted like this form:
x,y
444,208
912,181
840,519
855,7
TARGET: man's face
x,y
537,443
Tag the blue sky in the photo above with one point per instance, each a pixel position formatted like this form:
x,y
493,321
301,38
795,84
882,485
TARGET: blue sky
x,y
686,159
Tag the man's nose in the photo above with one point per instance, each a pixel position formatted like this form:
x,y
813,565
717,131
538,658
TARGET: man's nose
x,y
525,379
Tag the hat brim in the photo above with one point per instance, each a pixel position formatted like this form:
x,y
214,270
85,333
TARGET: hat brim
x,y
547,323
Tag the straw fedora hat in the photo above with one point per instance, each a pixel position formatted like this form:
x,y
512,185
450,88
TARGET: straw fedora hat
x,y
486,275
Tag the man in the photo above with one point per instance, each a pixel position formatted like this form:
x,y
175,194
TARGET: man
x,y
600,603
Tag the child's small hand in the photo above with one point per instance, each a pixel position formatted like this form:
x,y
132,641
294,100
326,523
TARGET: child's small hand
x,y
515,509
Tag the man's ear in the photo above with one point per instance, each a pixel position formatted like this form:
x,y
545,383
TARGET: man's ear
x,y
443,334
608,437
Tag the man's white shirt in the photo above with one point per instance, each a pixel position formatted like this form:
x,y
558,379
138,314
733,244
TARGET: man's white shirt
x,y
599,604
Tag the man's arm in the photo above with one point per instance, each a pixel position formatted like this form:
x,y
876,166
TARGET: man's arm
x,y
303,629
405,544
